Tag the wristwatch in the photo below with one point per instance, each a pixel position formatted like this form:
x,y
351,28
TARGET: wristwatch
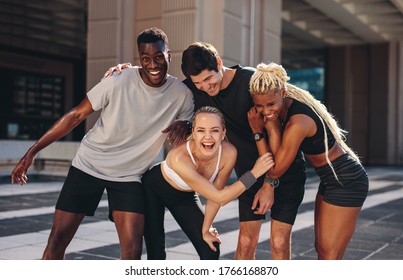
x,y
272,182
258,136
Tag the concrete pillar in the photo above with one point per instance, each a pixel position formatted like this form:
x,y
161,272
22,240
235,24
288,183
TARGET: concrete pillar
x,y
395,104
177,18
347,81
244,32
179,23
110,39
270,38
364,90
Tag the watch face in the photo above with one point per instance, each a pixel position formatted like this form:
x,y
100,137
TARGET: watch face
x,y
258,136
272,182
275,183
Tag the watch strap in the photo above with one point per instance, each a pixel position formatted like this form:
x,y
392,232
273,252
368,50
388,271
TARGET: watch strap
x,y
258,136
274,182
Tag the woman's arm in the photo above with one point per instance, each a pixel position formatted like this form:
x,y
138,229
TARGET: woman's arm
x,y
256,123
210,235
284,145
273,129
184,168
264,198
297,129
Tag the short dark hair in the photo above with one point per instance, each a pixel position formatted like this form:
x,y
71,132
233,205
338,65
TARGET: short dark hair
x,y
152,35
198,57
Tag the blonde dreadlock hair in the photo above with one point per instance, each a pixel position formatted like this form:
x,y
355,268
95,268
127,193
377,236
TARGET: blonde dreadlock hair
x,y
273,78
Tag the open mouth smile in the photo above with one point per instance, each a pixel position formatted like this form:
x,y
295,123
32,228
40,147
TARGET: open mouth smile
x,y
208,146
154,72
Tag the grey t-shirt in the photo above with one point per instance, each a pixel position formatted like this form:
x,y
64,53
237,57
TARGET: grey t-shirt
x,y
127,136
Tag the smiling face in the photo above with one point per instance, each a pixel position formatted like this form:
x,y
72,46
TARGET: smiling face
x,y
154,60
270,105
208,133
209,81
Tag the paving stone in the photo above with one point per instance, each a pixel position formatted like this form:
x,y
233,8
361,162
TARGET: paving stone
x,y
378,236
393,251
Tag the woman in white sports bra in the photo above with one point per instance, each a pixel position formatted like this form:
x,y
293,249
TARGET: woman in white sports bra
x,y
203,166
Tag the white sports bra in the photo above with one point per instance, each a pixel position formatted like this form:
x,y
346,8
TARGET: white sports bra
x,y
178,180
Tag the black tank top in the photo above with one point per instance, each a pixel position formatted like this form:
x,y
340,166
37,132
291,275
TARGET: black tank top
x,y
315,144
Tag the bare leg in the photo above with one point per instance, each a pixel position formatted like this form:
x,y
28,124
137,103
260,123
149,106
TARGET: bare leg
x,y
248,239
334,227
280,240
130,228
64,227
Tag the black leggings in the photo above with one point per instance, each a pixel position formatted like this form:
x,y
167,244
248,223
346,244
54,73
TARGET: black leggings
x,y
185,207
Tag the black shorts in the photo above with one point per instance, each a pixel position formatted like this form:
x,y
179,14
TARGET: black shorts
x,y
351,188
287,197
82,192
245,201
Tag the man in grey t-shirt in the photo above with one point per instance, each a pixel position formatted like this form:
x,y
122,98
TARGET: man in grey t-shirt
x,y
135,108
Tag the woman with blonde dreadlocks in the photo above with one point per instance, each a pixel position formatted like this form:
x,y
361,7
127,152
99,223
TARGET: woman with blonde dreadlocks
x,y
295,120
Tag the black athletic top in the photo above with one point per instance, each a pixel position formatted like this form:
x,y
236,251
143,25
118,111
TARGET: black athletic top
x,y
313,145
234,102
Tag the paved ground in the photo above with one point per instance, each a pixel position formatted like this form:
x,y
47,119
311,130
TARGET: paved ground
x,y
26,217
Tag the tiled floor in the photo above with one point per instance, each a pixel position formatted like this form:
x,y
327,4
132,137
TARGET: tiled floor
x,y
26,217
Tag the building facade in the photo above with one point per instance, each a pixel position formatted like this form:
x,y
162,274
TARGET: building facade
x,y
65,47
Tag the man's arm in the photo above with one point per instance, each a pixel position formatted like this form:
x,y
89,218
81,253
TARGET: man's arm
x,y
59,129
